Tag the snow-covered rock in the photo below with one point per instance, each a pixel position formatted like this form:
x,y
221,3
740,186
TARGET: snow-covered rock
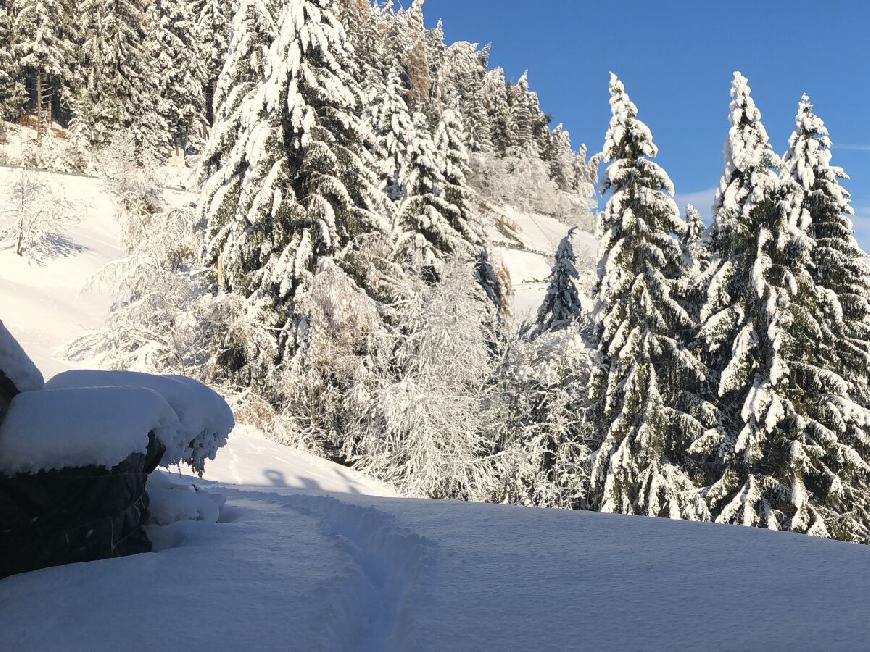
x,y
204,420
67,428
15,363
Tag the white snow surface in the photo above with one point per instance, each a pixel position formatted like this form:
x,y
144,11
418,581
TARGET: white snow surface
x,y
67,428
15,363
278,550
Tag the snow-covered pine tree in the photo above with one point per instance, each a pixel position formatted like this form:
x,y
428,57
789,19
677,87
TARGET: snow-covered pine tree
x,y
563,160
424,231
696,258
760,328
303,186
839,264
820,455
495,100
254,28
43,50
635,417
463,75
182,72
565,302
116,86
11,88
450,139
395,132
213,19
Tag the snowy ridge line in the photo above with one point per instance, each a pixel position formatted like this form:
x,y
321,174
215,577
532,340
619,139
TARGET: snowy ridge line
x,y
394,563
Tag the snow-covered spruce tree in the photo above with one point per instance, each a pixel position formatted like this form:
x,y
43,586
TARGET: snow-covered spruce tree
x,y
810,463
181,71
424,232
563,160
463,74
254,28
495,100
11,87
696,257
761,335
43,49
302,185
452,155
565,303
395,132
421,420
213,19
839,263
635,416
116,87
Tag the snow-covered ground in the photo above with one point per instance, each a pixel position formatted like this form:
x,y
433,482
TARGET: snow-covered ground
x,y
293,552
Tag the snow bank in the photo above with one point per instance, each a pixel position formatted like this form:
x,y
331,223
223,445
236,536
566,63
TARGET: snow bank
x,y
204,418
64,428
172,501
15,363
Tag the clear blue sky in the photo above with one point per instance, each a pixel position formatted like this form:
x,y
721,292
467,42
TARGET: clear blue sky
x,y
676,59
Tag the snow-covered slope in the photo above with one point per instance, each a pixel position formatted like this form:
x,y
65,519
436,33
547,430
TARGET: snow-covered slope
x,y
526,242
302,554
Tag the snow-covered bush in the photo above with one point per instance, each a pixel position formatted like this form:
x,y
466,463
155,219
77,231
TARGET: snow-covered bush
x,y
527,184
34,217
539,397
134,180
341,321
420,406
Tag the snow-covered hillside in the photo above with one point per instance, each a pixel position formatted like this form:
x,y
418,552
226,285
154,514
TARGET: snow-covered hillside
x,y
293,552
526,241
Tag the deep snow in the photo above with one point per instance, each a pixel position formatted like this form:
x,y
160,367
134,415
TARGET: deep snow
x,y
291,552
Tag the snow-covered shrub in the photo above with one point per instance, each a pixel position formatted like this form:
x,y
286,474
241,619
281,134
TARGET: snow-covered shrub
x,y
419,407
539,397
33,217
340,323
152,325
135,183
527,184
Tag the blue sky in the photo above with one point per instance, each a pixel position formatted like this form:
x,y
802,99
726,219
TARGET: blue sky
x,y
676,59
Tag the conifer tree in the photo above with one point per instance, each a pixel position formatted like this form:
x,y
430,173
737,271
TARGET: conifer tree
x,y
394,130
452,156
820,455
254,28
462,75
760,328
116,87
42,48
304,187
428,225
213,19
565,303
11,88
635,414
181,71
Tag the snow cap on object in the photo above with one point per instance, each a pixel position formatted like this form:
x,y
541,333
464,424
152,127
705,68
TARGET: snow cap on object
x,y
69,428
15,363
204,418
